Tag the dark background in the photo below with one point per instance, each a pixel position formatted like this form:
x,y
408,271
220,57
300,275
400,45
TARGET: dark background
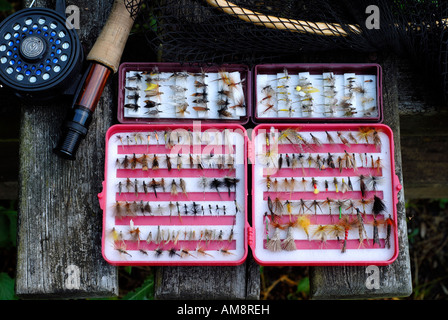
x,y
427,218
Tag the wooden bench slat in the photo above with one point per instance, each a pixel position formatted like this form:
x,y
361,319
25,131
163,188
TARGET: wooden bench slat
x,y
394,280
210,283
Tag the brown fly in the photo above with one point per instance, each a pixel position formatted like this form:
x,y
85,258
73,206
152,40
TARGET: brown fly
x,y
329,138
343,139
321,233
201,109
224,113
133,106
136,77
183,186
132,88
120,246
151,104
154,185
361,228
173,188
241,103
347,224
182,109
144,160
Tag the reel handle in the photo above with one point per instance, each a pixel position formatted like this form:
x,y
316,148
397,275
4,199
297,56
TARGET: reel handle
x,y
104,58
110,44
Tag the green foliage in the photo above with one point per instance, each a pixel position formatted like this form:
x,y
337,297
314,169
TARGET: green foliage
x,y
148,24
7,287
412,234
128,269
8,226
144,292
302,290
443,203
304,286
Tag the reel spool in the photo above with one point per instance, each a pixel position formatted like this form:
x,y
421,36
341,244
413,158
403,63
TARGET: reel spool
x,y
40,57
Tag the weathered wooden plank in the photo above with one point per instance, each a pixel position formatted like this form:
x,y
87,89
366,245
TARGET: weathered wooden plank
x,y
424,147
59,221
349,282
423,119
211,283
416,96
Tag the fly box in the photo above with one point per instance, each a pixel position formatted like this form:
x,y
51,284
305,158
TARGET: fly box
x,y
163,92
324,195
175,195
317,93
178,194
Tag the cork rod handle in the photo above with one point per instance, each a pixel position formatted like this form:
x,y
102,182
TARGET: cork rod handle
x,y
110,44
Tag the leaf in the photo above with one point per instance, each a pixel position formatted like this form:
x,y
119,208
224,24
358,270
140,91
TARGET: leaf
x,y
128,269
443,203
7,287
8,227
304,285
145,292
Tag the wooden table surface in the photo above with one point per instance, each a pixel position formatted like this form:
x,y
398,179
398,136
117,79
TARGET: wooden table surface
x,y
60,221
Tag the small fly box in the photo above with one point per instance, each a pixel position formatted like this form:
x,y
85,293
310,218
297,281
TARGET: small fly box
x,y
317,93
167,92
178,194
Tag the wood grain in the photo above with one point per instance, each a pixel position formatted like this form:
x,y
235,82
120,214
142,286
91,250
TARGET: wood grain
x,y
210,283
347,282
59,221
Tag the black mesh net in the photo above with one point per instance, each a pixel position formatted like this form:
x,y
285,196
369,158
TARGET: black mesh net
x,y
256,31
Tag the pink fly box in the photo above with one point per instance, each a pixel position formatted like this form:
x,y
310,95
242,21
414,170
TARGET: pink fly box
x,y
166,92
175,195
317,93
309,208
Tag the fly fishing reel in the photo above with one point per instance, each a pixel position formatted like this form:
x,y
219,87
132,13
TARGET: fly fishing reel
x,y
40,55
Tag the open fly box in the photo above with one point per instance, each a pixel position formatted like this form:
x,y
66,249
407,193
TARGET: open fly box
x,y
317,93
177,194
164,92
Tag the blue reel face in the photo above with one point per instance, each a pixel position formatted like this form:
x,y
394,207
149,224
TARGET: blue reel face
x,y
37,50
